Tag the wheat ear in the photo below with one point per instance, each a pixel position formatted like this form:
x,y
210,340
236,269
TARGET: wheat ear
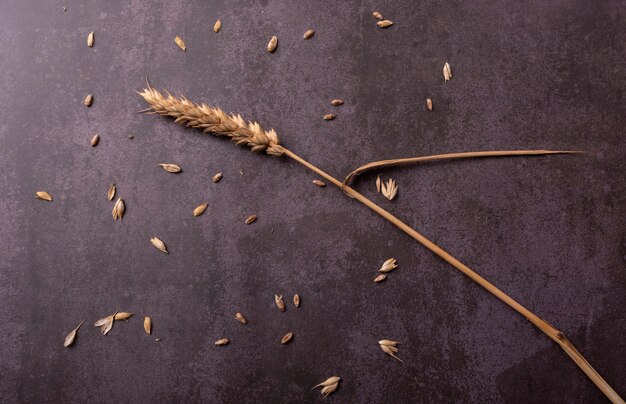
x,y
214,120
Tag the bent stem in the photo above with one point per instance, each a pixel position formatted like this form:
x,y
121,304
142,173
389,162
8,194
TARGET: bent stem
x,y
448,156
553,333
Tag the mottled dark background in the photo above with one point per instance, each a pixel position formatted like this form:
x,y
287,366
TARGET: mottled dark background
x,y
547,230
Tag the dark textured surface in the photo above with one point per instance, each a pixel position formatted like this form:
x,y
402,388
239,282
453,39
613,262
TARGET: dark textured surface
x,y
549,231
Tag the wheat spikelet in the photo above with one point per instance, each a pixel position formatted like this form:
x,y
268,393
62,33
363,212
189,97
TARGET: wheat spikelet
x,y
212,120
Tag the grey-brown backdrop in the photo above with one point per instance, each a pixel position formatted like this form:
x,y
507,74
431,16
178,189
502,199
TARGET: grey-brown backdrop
x,y
549,231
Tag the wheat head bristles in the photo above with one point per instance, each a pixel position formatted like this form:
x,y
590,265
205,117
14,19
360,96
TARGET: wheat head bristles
x,y
212,120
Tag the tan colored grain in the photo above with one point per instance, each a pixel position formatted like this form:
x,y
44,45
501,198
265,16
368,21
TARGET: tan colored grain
x,y
44,196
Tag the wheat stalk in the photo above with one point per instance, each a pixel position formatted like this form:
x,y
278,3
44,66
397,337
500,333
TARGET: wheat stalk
x,y
215,121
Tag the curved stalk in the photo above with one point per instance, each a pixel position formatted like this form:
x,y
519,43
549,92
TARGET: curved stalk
x,y
448,156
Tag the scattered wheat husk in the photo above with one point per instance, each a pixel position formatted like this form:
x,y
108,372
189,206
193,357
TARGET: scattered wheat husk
x,y
217,177
378,185
447,72
122,315
286,338
200,209
181,44
429,104
296,300
271,46
118,209
147,325
105,323
251,219
223,341
111,192
389,347
377,15
389,189
279,302
308,34
171,168
43,195
94,140
71,337
90,39
384,23
218,26
388,265
160,245
88,100
329,117
329,385
241,318
319,183
380,278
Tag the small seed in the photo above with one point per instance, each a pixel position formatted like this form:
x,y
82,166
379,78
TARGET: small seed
x,y
378,184
122,315
329,117
447,72
388,342
171,168
241,318
217,26
279,302
384,23
200,209
157,339
336,102
90,39
380,278
131,136
319,183
160,245
429,104
296,300
147,326
217,177
377,15
271,46
44,196
286,338
250,219
223,341
181,44
94,140
118,209
309,34
88,100
111,192
64,9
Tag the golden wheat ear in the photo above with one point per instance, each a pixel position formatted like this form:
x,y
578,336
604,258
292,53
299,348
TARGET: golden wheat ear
x,y
214,120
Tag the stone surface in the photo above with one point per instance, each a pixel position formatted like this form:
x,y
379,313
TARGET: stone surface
x,y
549,231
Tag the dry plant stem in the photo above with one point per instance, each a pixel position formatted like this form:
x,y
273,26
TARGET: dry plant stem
x,y
448,156
554,334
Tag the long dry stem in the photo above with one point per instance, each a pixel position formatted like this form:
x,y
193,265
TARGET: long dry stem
x,y
543,325
214,120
